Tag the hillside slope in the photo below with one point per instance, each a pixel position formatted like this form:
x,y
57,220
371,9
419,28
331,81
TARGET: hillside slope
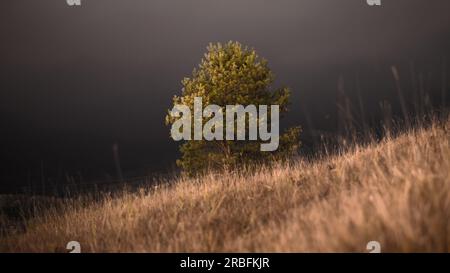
x,y
396,192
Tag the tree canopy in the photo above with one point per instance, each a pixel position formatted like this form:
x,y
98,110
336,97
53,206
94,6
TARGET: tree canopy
x,y
232,74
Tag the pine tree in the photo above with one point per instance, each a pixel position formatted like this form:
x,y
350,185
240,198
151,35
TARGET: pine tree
x,y
232,74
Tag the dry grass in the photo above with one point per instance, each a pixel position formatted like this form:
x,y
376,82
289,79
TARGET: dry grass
x,y
396,192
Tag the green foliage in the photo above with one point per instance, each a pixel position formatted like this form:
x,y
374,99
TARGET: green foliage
x,y
232,74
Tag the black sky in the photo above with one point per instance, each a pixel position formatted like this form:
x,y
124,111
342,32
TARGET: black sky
x,y
74,80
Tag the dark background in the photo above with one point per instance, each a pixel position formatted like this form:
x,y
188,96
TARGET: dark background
x,y
76,80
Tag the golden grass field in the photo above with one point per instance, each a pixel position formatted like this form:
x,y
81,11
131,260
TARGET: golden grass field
x,y
395,191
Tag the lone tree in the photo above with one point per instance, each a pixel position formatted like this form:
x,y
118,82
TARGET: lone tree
x,y
232,74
